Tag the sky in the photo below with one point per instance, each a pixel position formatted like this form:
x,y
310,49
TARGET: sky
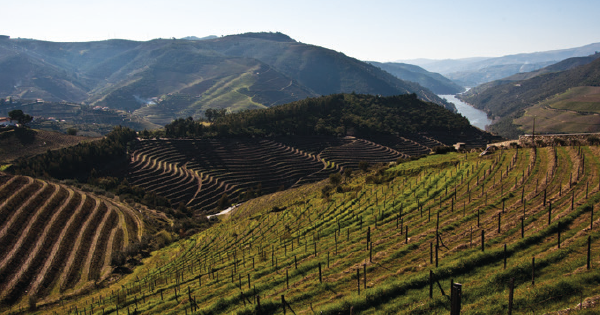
x,y
374,30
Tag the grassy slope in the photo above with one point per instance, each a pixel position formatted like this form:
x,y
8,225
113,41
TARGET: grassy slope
x,y
260,245
574,111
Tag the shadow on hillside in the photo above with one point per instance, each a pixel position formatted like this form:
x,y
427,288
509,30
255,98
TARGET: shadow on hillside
x,y
25,136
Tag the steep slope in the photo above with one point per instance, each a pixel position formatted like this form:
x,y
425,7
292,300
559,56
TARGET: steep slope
x,y
435,82
392,241
250,153
57,240
564,65
508,101
322,70
166,79
22,76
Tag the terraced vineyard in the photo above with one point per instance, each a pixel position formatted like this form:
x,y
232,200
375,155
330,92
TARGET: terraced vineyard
x,y
517,218
198,172
57,241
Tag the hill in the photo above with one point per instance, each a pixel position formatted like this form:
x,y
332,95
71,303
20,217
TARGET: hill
x,y
161,80
336,115
390,241
508,101
435,82
574,111
564,65
26,142
207,165
472,72
93,121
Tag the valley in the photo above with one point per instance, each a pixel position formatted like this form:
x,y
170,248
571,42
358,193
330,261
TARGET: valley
x,y
351,187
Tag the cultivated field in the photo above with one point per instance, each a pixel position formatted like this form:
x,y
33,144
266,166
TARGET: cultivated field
x,y
390,242
198,172
575,111
57,241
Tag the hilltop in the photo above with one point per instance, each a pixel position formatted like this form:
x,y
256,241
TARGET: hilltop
x,y
164,79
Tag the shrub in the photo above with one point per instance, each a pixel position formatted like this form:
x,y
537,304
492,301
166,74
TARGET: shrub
x,y
559,141
163,238
118,259
593,140
363,166
443,149
335,179
223,202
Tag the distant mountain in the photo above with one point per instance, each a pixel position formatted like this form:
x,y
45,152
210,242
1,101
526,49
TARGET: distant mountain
x,y
445,65
163,79
479,76
566,64
509,101
475,71
199,38
436,82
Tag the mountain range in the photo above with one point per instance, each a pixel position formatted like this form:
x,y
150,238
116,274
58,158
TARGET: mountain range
x,y
163,79
471,72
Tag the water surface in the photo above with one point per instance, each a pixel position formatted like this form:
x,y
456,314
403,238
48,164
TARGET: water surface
x,y
476,117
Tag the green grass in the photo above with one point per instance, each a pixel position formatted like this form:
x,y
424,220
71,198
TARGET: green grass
x,y
398,274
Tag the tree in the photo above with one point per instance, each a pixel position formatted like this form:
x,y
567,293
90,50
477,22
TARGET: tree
x,y
335,179
224,202
347,173
20,117
72,131
363,165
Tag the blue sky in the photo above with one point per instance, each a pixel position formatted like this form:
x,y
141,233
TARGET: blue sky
x,y
367,30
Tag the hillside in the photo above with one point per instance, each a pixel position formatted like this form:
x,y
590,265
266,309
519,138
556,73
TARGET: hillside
x,y
206,165
507,102
472,72
161,80
564,65
478,76
435,82
392,240
23,143
333,115
92,121
58,240
574,111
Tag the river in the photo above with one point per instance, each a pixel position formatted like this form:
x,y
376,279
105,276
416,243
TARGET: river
x,y
476,117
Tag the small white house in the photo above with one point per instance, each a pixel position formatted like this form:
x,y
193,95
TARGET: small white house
x,y
5,122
